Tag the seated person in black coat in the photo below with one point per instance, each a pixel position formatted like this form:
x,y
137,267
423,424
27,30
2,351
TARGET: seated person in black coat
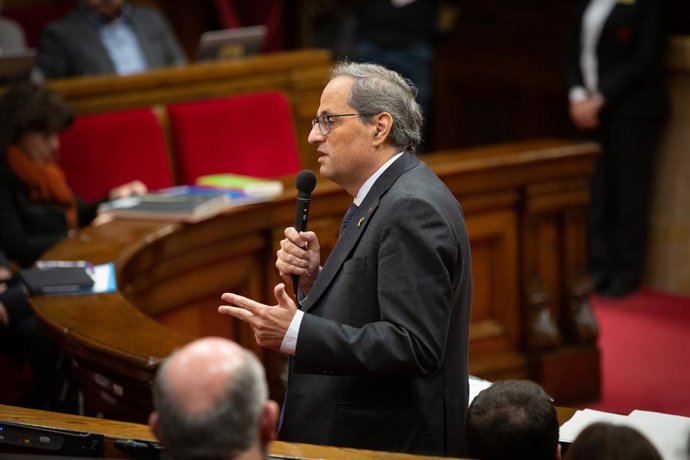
x,y
37,207
107,37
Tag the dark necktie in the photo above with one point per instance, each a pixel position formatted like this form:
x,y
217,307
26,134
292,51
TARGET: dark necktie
x,y
347,217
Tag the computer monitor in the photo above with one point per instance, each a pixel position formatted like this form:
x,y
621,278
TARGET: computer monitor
x,y
231,43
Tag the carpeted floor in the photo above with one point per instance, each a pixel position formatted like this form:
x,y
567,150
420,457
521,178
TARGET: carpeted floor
x,y
645,347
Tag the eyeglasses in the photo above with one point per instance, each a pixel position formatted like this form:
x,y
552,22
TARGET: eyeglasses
x,y
324,121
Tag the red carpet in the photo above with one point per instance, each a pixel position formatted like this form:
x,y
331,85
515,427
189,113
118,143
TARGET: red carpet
x,y
645,347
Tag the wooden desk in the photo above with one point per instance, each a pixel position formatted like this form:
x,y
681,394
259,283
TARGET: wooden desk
x,y
113,430
525,208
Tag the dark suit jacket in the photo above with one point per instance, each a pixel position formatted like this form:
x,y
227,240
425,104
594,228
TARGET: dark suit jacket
x,y
630,52
72,45
381,357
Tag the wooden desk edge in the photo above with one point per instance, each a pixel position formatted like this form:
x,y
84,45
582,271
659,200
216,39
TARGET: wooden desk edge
x,y
113,429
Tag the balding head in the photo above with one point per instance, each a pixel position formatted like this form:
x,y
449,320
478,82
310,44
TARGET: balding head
x,y
199,373
210,401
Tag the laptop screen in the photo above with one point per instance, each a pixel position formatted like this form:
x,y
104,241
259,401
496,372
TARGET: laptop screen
x,y
231,43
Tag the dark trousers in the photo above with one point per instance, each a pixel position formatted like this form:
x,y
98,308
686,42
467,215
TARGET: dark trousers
x,y
26,339
620,200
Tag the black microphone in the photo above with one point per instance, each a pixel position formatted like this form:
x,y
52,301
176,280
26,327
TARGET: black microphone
x,y
305,183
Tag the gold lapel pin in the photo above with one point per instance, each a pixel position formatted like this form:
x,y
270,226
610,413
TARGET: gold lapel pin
x,y
361,219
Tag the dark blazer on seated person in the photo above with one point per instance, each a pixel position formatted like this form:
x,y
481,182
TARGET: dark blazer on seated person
x,y
72,45
29,228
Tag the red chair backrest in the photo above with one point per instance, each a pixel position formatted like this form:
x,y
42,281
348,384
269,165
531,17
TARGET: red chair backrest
x,y
105,150
251,135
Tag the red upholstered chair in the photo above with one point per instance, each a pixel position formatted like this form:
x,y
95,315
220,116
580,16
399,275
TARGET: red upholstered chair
x,y
102,151
251,135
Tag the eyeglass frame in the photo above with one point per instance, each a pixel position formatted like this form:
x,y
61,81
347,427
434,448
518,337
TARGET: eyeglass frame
x,y
327,117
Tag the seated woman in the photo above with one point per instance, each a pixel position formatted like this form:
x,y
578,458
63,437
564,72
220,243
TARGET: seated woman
x,y
37,209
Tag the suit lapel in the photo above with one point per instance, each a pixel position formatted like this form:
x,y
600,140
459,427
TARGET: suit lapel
x,y
141,28
358,223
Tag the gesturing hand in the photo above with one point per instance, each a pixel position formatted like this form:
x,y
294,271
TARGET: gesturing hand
x,y
269,322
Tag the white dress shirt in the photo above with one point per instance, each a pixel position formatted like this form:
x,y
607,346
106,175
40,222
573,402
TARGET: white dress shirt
x,y
593,20
122,44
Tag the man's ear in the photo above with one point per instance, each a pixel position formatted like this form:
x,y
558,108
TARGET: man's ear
x,y
269,421
155,427
383,123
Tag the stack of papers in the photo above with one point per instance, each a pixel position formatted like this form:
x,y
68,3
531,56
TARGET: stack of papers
x,y
210,196
476,386
177,204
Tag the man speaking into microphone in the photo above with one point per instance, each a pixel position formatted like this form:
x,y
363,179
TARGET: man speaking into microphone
x,y
378,345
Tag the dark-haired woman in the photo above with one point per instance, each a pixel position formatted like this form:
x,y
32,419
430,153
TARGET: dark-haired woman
x,y
37,206
37,210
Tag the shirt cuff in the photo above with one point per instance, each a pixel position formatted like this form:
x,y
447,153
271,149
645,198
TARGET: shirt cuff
x,y
289,344
577,94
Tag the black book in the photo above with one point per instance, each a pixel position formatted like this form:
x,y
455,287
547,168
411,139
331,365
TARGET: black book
x,y
56,280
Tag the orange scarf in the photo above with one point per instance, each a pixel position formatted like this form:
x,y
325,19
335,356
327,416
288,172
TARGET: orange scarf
x,y
46,182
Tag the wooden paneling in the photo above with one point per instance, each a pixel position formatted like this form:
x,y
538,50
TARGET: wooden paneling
x,y
500,74
669,250
494,311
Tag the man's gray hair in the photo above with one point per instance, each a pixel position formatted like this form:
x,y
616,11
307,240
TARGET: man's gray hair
x,y
228,428
377,89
